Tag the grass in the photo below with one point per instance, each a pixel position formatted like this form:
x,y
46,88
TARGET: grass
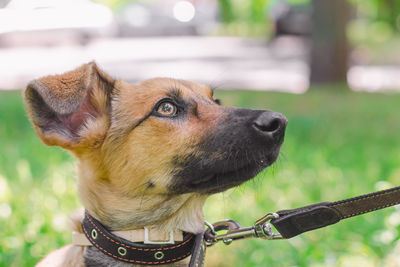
x,y
338,144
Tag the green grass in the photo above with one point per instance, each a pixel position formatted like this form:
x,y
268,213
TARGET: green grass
x,y
338,144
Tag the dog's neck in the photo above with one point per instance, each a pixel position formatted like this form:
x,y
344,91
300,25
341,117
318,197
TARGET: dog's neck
x,y
123,212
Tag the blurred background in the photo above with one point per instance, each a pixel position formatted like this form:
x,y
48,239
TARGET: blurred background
x,y
332,67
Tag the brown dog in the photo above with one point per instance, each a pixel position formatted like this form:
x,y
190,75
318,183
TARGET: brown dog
x,y
150,153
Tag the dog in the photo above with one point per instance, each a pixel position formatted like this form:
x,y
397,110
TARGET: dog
x,y
150,153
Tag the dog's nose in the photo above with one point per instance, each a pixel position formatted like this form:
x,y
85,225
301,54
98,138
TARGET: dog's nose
x,y
270,124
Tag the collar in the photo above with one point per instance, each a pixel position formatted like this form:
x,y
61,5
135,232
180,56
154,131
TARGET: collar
x,y
146,253
145,235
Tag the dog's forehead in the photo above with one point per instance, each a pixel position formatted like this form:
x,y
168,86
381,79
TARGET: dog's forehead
x,y
162,87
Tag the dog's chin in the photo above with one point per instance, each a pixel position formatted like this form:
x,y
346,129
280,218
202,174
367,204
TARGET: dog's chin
x,y
216,179
218,182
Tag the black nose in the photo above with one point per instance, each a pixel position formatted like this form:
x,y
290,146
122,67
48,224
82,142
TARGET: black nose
x,y
270,124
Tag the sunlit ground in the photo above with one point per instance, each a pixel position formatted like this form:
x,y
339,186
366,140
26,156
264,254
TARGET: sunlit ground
x,y
338,145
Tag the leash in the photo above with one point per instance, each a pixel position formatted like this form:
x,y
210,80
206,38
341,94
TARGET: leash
x,y
290,223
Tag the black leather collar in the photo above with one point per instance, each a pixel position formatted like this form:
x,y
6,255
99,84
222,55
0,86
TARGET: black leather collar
x,y
136,253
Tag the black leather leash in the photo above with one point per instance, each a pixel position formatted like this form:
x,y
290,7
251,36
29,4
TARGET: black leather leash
x,y
140,253
290,223
293,222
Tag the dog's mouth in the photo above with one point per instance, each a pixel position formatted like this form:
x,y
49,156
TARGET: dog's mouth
x,y
221,177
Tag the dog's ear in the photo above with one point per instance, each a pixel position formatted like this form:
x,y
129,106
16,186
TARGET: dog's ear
x,y
71,110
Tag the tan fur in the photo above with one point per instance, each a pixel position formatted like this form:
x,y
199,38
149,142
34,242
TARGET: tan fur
x,y
70,256
116,164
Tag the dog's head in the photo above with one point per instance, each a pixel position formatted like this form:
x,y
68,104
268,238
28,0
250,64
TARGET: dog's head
x,y
160,137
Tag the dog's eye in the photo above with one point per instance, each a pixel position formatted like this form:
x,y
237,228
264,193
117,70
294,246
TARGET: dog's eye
x,y
167,109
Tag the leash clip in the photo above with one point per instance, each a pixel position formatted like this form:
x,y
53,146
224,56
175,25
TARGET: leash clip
x,y
261,229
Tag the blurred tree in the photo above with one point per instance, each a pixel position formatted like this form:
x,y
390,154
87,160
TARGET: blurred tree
x,y
226,10
392,10
257,10
330,49
388,11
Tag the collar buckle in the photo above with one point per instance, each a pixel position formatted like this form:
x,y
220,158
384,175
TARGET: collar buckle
x,y
148,241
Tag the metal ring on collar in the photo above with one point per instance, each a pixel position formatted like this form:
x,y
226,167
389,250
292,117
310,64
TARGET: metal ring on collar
x,y
122,251
94,233
159,255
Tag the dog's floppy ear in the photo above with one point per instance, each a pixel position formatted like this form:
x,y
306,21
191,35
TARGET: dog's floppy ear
x,y
70,109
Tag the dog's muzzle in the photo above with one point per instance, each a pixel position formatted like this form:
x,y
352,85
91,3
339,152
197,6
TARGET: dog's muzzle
x,y
243,143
